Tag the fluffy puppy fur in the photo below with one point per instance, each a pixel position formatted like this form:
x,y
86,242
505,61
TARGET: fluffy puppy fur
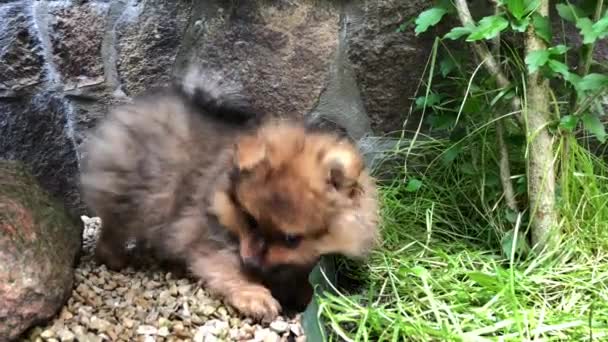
x,y
249,204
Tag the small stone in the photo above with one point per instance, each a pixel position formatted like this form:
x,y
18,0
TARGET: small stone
x,y
47,334
208,310
279,326
173,290
184,289
296,329
165,295
186,310
210,338
221,325
272,337
163,332
197,320
200,334
260,334
66,315
235,322
99,324
146,330
222,311
129,323
66,335
163,322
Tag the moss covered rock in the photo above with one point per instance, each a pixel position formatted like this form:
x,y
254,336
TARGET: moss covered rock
x,y
38,249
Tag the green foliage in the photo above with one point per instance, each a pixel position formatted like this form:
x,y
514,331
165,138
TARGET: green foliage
x,y
593,124
413,185
542,27
488,28
456,263
429,18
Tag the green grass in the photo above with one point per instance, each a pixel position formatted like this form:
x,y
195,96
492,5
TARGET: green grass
x,y
446,270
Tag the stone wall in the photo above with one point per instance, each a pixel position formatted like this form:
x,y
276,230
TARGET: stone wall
x,y
62,63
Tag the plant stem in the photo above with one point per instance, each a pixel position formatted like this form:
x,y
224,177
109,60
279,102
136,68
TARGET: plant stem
x,y
504,163
483,53
541,172
494,68
588,58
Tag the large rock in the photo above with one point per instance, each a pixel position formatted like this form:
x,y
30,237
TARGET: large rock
x,y
38,248
62,63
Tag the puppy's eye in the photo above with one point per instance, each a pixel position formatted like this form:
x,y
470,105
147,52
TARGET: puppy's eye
x,y
292,241
251,221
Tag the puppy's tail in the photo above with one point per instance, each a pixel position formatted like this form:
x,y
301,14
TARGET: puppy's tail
x,y
217,96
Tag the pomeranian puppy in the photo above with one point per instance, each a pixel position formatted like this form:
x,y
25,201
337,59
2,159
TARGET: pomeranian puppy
x,y
247,203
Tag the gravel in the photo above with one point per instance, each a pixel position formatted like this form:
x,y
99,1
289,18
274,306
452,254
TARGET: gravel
x,y
150,305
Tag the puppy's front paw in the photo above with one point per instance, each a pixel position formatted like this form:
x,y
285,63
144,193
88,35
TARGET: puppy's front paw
x,y
255,301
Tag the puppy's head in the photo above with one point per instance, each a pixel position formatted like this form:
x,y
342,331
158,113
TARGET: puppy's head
x,y
296,195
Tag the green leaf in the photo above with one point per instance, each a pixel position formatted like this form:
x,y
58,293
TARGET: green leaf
x,y
575,80
468,169
532,5
594,126
457,32
601,27
586,27
516,7
413,185
429,18
431,100
485,280
488,28
511,216
559,68
519,240
446,66
506,93
444,121
420,271
569,12
472,105
519,8
593,81
587,7
536,59
568,122
558,49
542,27
451,153
520,25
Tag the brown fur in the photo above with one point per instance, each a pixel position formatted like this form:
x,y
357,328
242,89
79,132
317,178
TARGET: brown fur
x,y
237,205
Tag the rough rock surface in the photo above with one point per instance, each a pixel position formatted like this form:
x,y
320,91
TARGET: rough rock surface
x,y
38,247
387,63
62,63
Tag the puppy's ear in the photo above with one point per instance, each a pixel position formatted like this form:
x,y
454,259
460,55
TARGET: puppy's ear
x,y
343,166
251,150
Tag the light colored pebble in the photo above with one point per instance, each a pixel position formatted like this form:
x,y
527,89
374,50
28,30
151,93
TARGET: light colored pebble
x,y
163,332
47,334
279,326
272,337
296,329
99,324
65,335
146,330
